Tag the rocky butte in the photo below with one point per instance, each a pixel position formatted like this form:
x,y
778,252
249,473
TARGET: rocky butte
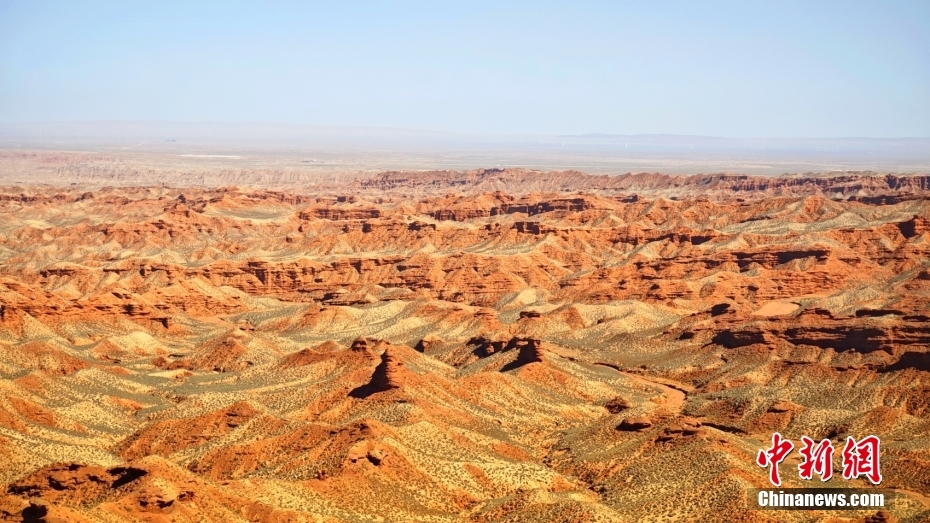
x,y
491,345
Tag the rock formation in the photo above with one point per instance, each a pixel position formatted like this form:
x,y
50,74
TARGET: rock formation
x,y
635,424
388,375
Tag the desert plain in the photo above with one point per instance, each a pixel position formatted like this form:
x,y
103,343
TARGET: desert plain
x,y
192,342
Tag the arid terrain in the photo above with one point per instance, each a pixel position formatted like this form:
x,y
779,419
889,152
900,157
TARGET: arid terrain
x,y
440,346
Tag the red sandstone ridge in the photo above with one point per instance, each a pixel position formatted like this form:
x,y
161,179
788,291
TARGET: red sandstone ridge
x,y
73,483
221,356
308,356
516,181
167,437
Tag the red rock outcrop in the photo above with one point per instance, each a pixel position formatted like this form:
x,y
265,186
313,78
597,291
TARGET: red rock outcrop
x,y
73,483
638,424
388,375
529,351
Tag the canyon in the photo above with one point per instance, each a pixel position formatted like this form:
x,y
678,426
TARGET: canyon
x,y
486,345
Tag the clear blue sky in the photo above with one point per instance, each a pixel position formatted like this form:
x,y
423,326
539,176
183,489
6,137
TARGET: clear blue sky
x,y
779,68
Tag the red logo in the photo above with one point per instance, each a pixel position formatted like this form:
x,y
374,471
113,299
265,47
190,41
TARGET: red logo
x,y
773,456
859,458
817,459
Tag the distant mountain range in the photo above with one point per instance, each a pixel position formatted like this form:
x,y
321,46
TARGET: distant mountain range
x,y
293,135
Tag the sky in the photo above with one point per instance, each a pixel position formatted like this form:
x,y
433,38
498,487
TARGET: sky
x,y
736,69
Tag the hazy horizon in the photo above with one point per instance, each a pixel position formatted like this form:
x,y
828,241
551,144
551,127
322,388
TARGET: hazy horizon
x,y
9,126
293,146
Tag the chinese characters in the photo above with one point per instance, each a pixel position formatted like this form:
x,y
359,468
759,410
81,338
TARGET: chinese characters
x,y
860,458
